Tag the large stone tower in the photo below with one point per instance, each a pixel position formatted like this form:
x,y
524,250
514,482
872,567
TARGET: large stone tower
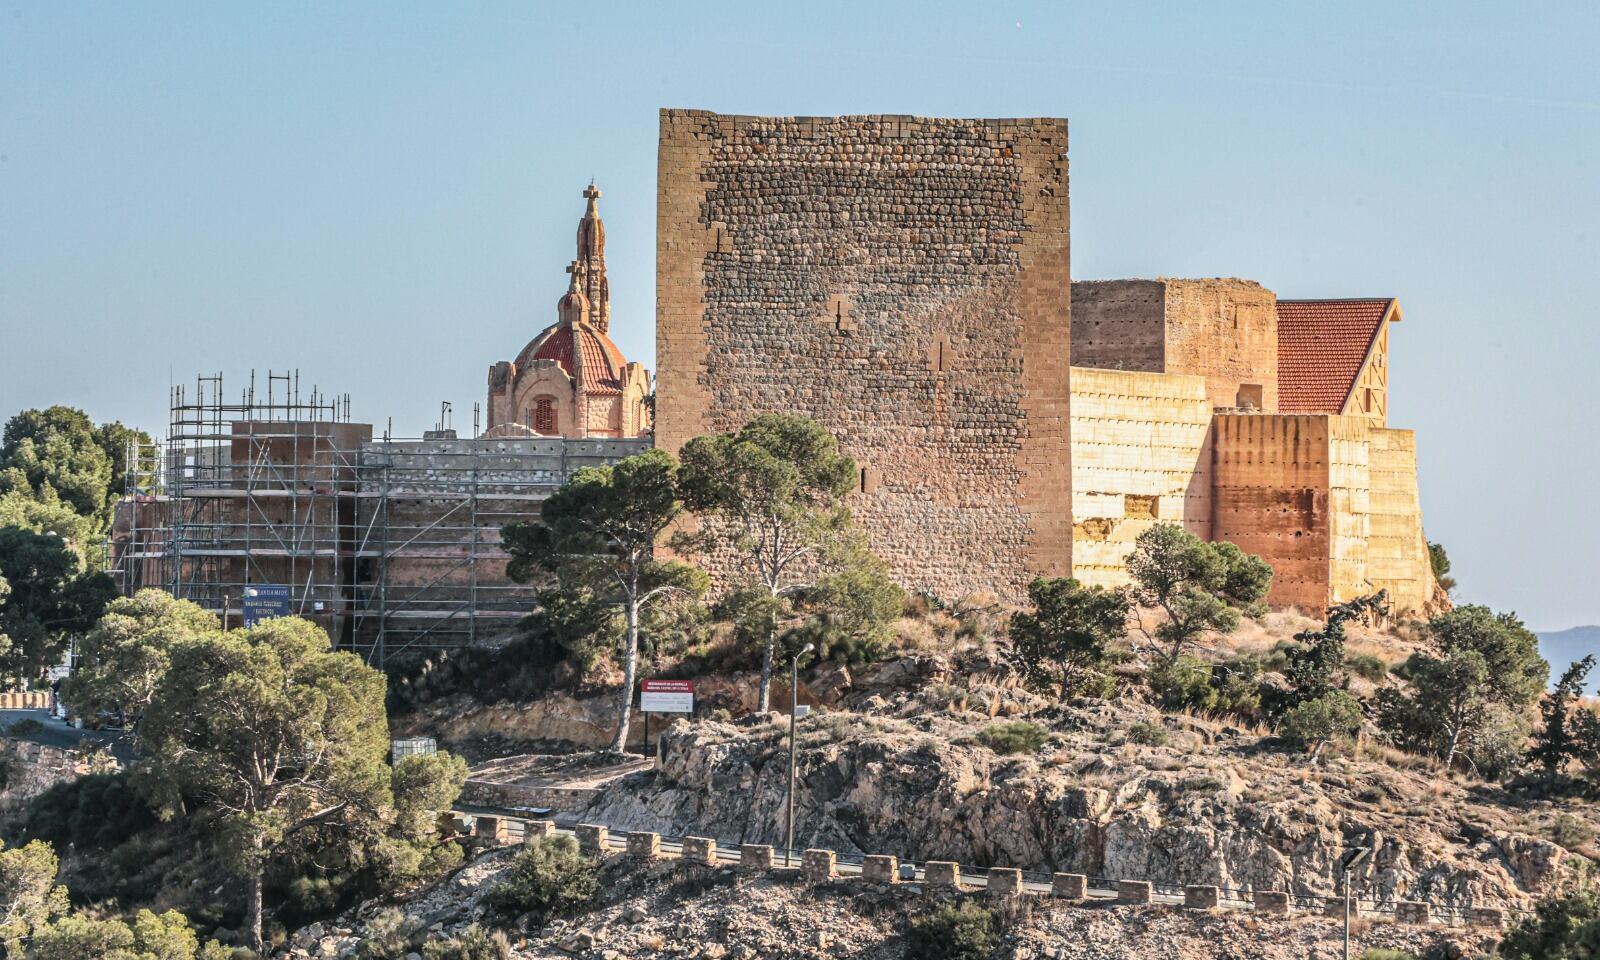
x,y
903,280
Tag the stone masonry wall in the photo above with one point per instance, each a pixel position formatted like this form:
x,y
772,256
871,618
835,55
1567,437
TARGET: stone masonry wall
x,y
1119,324
904,281
1141,454
1271,498
1226,331
1398,552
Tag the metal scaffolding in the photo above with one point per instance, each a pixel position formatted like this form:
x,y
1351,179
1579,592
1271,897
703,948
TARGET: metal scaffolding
x,y
392,545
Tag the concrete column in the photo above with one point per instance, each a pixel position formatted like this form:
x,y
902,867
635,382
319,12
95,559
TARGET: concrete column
x,y
1270,901
755,857
490,829
591,837
1411,911
942,875
644,846
1133,891
880,869
702,850
543,829
1005,882
1201,897
1486,917
1069,886
1335,908
817,865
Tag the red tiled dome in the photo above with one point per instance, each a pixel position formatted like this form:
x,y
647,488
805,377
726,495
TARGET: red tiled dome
x,y
602,361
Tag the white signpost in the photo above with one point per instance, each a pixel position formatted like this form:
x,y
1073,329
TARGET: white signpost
x,y
666,696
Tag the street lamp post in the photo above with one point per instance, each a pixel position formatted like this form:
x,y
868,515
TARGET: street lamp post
x,y
1350,859
794,710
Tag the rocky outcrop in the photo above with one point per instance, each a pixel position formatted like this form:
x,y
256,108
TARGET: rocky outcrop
x,y
28,769
1234,814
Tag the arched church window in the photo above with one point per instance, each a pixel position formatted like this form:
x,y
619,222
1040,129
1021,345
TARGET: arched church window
x,y
544,416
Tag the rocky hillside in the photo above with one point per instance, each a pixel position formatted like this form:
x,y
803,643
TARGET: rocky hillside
x,y
669,909
1116,791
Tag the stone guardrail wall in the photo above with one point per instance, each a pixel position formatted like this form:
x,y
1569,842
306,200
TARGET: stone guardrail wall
x,y
31,768
27,700
941,877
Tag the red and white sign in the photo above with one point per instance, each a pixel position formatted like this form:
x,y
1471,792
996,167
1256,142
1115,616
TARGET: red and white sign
x,y
666,696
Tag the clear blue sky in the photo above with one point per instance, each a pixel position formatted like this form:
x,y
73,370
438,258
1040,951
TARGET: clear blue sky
x,y
384,195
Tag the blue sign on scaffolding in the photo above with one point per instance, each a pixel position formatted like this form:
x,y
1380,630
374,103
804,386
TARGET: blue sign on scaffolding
x,y
265,601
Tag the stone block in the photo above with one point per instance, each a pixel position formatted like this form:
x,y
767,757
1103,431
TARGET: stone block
x,y
1486,917
1201,897
541,829
817,866
701,850
489,829
1069,886
1270,901
1334,907
1133,891
1005,882
755,857
942,874
880,869
592,837
1411,911
644,846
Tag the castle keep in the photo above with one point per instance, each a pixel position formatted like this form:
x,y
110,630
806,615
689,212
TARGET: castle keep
x,y
906,282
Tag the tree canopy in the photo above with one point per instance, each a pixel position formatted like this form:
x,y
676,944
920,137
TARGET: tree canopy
x,y
1062,641
125,655
48,601
1197,586
772,497
597,537
60,452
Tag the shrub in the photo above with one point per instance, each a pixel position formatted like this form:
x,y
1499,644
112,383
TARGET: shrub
x,y
1332,716
474,943
1013,737
1571,832
390,936
152,936
1147,734
548,875
1368,667
96,812
1183,683
951,932
1562,928
26,727
1384,953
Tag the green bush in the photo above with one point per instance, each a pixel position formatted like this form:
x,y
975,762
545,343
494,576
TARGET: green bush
x,y
152,936
1013,737
1368,667
951,932
1571,832
1384,953
1561,928
474,943
390,936
26,727
96,812
548,875
1332,716
1183,683
1147,734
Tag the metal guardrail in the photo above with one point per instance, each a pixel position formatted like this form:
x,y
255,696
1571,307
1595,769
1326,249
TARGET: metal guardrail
x,y
1033,881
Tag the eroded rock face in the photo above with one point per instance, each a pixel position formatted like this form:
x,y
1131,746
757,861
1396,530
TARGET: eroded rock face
x,y
1234,816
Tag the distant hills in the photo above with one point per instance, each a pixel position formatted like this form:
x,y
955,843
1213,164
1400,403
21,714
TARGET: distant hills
x,y
1561,647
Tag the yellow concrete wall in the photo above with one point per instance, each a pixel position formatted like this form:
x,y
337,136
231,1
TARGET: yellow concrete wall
x,y
1398,552
1349,501
1140,455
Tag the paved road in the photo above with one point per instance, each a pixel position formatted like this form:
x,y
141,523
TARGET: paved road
x,y
59,733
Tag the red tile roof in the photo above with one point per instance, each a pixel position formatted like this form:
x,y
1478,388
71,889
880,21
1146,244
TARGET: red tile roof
x,y
1322,346
602,361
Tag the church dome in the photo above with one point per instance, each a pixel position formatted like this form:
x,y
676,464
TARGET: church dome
x,y
579,344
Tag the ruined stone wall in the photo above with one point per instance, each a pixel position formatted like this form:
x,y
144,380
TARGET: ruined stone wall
x,y
1141,454
1398,552
1119,324
904,281
1271,498
1226,331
